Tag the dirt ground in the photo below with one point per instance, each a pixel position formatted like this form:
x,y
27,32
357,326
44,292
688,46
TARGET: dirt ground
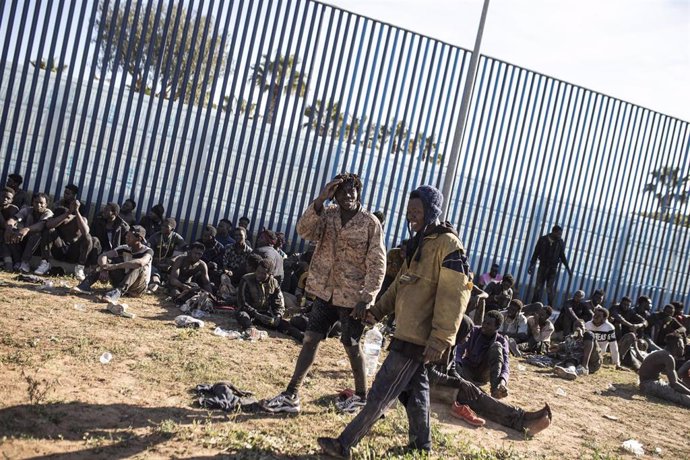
x,y
58,400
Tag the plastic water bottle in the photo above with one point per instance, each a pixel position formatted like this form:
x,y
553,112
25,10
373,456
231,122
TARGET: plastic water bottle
x,y
373,340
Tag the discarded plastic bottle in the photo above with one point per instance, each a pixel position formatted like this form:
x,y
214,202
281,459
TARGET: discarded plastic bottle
x,y
373,340
229,334
106,357
560,391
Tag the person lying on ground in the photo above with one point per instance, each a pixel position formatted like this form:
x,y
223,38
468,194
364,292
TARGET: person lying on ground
x,y
109,227
67,237
27,227
260,302
345,274
664,361
127,267
485,356
189,274
499,294
514,326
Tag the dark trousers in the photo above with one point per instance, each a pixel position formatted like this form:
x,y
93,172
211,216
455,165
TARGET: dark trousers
x,y
546,275
496,411
399,377
83,251
25,249
489,370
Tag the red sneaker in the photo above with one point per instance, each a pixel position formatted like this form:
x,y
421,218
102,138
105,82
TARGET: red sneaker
x,y
464,412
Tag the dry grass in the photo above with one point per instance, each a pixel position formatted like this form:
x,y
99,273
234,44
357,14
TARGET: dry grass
x,y
58,399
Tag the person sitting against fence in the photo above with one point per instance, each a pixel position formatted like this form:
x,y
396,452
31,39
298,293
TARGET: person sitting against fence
x,y
265,247
679,315
69,194
540,329
514,326
492,276
484,357
244,222
109,227
663,323
127,211
596,300
8,211
224,231
166,244
67,237
499,294
21,198
214,252
236,255
574,310
127,267
625,319
578,354
260,301
664,361
26,229
605,334
153,220
189,274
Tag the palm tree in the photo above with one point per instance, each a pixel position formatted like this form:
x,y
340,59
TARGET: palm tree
x,y
668,187
278,76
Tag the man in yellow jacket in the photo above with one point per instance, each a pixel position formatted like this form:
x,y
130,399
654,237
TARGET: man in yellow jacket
x,y
429,296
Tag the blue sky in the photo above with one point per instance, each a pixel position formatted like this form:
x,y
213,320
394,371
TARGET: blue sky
x,y
635,50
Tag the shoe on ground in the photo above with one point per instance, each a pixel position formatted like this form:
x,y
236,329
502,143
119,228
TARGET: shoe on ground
x,y
333,448
463,412
582,370
283,403
43,268
117,308
25,267
81,289
351,405
112,297
79,272
567,373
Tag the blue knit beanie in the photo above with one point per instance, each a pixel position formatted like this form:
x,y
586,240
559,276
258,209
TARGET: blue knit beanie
x,y
432,200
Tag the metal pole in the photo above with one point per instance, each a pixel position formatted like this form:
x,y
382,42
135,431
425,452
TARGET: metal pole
x,y
452,169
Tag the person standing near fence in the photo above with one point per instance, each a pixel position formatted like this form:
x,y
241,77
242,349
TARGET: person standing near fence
x,y
550,251
345,274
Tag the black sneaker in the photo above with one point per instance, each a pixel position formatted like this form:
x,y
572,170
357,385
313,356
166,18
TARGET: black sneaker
x,y
332,447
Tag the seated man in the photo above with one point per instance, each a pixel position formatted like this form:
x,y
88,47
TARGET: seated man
x,y
127,267
153,220
109,227
265,247
224,232
261,301
127,211
665,361
236,255
540,329
605,334
492,276
514,325
214,251
27,227
69,194
189,274
575,309
21,198
625,319
484,356
67,237
663,323
500,294
578,354
7,213
166,244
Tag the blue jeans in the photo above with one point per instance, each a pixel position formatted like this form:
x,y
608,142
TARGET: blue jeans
x,y
399,377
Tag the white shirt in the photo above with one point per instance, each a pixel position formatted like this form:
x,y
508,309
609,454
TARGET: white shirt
x,y
605,335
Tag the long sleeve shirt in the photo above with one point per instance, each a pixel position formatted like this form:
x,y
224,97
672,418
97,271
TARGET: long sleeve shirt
x,y
549,252
514,327
349,262
474,351
605,335
265,298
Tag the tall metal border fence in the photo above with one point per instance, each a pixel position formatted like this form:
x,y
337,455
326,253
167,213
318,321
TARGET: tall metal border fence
x,y
223,109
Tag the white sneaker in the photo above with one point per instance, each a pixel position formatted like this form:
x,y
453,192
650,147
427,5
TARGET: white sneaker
x,y
43,268
582,370
25,267
79,272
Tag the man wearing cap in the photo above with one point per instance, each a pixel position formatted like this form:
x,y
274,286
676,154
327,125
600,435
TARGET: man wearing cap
x,y
67,237
345,273
492,276
550,251
127,267
429,297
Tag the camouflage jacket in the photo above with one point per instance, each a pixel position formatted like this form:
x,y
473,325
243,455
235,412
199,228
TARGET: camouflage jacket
x,y
349,262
